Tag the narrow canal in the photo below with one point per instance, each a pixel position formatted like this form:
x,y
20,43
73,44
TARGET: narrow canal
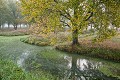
x,y
65,66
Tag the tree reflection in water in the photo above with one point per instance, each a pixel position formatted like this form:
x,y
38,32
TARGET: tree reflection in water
x,y
82,69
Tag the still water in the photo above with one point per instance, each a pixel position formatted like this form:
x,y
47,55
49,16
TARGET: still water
x,y
69,66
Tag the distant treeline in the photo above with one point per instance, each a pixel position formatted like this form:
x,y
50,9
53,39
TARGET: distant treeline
x,y
10,14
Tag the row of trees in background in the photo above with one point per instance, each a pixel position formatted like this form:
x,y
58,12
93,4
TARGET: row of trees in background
x,y
10,14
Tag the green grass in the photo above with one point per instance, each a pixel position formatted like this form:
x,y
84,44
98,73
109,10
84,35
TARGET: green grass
x,y
111,69
9,46
10,50
10,71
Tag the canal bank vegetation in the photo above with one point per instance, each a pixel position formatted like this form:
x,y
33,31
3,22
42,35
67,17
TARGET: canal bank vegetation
x,y
75,17
109,49
50,39
11,71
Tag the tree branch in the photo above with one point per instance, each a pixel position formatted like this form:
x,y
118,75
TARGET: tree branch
x,y
63,13
91,14
66,24
56,1
65,16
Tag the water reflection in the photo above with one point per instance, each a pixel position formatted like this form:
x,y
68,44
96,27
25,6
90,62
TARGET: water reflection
x,y
20,61
64,68
83,69
83,64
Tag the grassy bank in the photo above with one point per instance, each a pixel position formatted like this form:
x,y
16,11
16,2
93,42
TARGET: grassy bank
x,y
10,71
109,49
50,39
39,41
100,52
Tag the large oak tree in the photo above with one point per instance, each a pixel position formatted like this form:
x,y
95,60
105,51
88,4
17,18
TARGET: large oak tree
x,y
76,14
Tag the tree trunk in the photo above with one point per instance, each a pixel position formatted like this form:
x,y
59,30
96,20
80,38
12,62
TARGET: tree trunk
x,y
0,26
8,25
20,25
0,23
3,26
15,26
75,37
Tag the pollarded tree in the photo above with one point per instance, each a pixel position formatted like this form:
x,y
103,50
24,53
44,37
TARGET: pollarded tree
x,y
76,14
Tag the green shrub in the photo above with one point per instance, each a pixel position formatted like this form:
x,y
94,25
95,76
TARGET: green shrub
x,y
35,41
